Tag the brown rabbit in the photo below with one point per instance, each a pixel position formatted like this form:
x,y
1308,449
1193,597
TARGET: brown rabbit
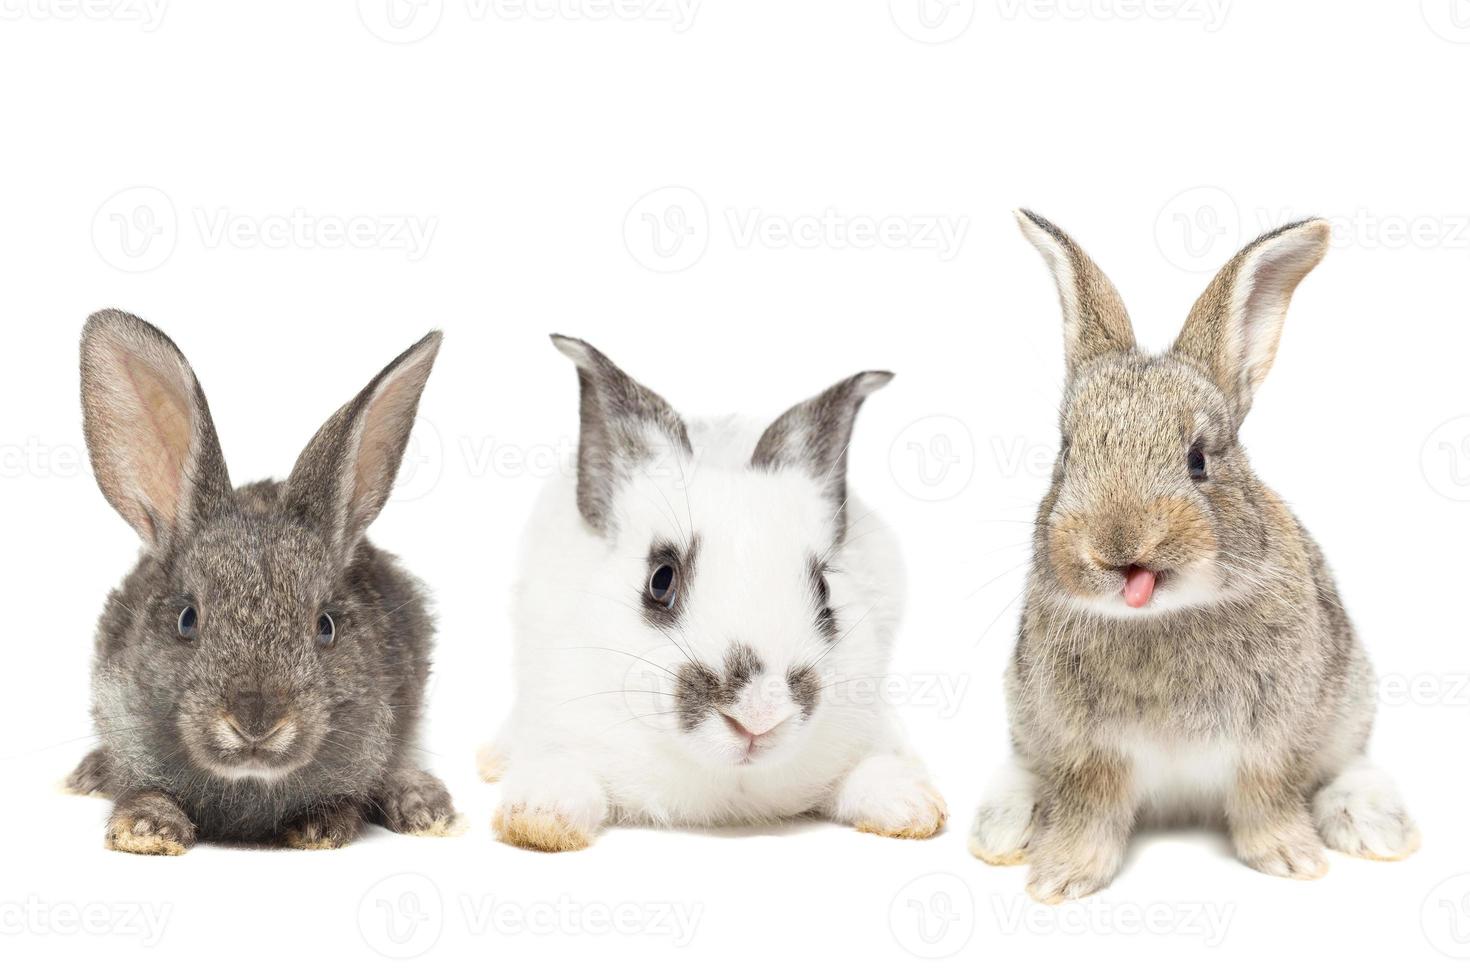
x,y
1183,650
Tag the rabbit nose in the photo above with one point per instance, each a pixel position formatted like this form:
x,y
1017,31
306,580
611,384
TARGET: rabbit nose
x,y
255,715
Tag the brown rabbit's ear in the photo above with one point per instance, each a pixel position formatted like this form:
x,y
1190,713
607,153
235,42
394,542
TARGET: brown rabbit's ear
x,y
1093,316
814,435
343,477
148,429
623,425
1235,326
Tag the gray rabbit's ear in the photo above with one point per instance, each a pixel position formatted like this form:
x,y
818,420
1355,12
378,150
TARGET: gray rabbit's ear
x,y
1094,318
343,477
1235,326
148,429
624,425
814,435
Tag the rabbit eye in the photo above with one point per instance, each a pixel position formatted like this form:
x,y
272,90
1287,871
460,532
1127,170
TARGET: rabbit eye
x,y
1197,469
188,624
661,586
326,631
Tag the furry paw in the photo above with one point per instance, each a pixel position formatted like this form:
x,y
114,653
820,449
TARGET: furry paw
x,y
1360,813
325,829
890,795
149,823
538,828
89,778
1295,856
414,802
1068,876
1006,821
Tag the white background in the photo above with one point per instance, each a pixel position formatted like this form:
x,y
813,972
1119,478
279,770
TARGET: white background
x,y
191,163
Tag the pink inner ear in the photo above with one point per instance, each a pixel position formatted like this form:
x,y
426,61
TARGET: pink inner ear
x,y
385,428
154,437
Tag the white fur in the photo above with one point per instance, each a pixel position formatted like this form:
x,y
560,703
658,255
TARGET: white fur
x,y
1007,819
1360,813
593,734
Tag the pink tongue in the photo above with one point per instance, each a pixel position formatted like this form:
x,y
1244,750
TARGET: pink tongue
x,y
1139,587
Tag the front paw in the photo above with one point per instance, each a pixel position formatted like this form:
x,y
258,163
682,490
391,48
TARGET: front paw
x,y
89,778
916,812
1298,856
324,829
149,823
1067,874
417,803
539,828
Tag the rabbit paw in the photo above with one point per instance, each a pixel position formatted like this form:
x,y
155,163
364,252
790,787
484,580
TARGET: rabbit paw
x,y
1292,855
890,795
149,823
414,802
1006,820
549,809
1360,813
325,829
1066,875
89,778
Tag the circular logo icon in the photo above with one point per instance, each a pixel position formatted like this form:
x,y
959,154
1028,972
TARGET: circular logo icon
x,y
1445,917
401,916
667,230
1450,19
422,464
135,230
933,459
400,21
1199,229
1445,459
933,916
932,21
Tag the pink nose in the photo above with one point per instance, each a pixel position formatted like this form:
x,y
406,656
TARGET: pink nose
x,y
748,733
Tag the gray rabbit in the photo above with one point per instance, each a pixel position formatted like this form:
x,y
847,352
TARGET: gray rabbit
x,y
1183,650
260,674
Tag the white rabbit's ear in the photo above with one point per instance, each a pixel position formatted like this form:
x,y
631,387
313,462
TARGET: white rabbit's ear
x,y
1094,318
148,429
624,425
343,477
814,435
1235,326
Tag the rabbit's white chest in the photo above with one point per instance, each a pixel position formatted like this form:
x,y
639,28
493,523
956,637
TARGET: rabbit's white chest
x,y
1180,777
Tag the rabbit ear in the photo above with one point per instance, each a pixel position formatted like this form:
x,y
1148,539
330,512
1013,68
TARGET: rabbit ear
x,y
1093,316
148,429
623,425
343,477
1235,326
814,435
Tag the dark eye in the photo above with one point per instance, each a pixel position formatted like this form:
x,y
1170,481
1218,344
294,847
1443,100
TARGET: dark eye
x,y
661,586
188,622
1197,462
326,631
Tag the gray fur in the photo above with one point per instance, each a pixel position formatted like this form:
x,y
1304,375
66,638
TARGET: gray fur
x,y
260,564
619,416
1271,664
